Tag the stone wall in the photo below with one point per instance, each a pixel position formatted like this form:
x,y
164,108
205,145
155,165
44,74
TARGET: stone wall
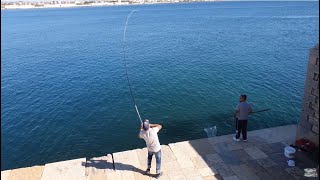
x,y
309,121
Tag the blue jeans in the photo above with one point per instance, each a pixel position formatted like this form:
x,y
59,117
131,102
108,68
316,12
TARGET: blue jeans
x,y
158,160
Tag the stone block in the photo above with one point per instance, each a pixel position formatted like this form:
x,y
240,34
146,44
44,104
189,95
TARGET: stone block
x,y
221,147
142,156
126,160
306,111
97,177
278,173
208,171
227,146
213,158
280,159
200,162
255,166
296,172
315,129
312,68
316,110
229,158
183,150
313,55
312,84
194,178
223,169
307,134
255,153
143,159
247,144
178,177
190,172
244,172
303,160
270,148
252,141
266,148
264,175
141,176
5,174
172,168
231,178
99,165
234,146
214,177
313,99
315,121
242,155
65,170
127,175
277,134
163,177
202,146
314,91
185,163
305,123
114,175
220,139
315,75
178,154
277,147
266,162
167,154
28,173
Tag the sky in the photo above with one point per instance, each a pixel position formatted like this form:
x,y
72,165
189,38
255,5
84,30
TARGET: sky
x,y
97,0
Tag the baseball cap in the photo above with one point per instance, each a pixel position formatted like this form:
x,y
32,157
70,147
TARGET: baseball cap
x,y
146,124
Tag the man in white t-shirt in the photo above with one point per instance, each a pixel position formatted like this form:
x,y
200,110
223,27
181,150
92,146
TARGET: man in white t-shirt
x,y
149,132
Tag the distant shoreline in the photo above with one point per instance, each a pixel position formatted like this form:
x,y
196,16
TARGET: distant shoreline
x,y
73,5
14,7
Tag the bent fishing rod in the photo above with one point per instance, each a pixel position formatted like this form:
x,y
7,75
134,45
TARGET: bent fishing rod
x,y
125,64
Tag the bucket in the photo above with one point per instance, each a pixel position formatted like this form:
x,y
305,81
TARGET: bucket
x,y
289,151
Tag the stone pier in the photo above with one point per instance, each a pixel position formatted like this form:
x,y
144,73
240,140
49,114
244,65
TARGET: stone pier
x,y
261,157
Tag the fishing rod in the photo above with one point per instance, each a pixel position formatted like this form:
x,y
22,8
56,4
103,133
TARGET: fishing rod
x,y
125,63
237,121
259,111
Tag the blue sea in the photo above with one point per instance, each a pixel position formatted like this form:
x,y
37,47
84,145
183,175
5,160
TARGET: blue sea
x,y
64,92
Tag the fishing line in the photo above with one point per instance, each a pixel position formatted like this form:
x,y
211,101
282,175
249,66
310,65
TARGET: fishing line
x,y
125,64
237,121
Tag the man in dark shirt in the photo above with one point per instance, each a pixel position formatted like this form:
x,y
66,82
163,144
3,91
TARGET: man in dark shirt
x,y
242,112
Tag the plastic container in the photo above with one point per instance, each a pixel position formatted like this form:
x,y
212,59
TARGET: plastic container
x,y
211,131
289,151
291,163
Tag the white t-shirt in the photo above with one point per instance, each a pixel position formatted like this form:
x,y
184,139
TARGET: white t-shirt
x,y
151,138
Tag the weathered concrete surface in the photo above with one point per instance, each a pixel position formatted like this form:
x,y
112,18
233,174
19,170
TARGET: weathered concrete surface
x,y
275,134
5,174
261,157
99,165
28,173
65,170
